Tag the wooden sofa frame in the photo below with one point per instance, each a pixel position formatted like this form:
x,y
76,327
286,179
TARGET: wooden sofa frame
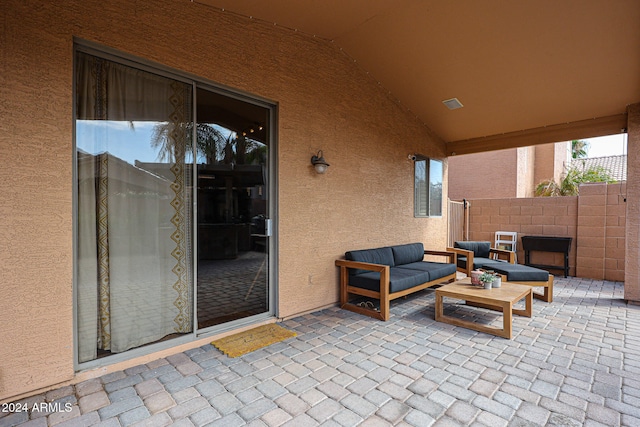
x,y
510,257
546,296
383,293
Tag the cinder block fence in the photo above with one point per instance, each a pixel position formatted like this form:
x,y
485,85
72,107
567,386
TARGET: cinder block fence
x,y
595,220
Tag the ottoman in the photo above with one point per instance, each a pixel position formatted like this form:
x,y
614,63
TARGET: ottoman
x,y
523,274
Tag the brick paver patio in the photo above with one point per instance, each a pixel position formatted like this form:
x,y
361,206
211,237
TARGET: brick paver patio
x,y
575,362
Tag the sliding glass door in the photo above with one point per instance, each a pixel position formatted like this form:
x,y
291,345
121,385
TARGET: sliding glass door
x,y
233,220
172,211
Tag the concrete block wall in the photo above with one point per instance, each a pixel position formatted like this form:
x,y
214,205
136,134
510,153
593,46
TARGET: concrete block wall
x,y
548,216
595,221
601,230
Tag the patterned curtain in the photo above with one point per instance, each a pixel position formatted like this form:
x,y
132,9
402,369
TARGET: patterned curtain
x,y
134,218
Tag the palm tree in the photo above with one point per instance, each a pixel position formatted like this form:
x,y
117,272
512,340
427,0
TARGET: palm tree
x,y
167,138
257,154
210,143
579,149
570,183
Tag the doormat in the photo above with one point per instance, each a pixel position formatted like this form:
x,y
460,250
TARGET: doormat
x,y
251,340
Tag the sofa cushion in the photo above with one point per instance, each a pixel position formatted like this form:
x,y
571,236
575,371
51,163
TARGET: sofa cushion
x,y
519,272
436,270
382,256
479,249
399,279
405,254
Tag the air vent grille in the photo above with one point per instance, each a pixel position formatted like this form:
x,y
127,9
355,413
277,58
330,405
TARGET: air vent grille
x,y
452,104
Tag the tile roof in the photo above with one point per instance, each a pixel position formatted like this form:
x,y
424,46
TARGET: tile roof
x,y
616,165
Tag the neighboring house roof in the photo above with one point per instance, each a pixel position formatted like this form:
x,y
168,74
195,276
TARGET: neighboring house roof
x,y
616,165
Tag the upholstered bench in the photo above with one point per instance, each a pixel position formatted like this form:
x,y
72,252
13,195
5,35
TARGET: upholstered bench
x,y
472,255
523,274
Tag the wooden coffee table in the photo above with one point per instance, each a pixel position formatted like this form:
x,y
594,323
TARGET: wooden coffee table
x,y
501,299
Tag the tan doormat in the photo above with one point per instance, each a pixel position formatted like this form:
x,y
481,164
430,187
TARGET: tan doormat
x,y
251,340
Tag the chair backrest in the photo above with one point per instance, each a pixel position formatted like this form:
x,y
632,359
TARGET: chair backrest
x,y
375,256
406,254
479,249
506,240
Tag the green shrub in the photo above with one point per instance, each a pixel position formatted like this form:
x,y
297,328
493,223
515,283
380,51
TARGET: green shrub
x,y
570,183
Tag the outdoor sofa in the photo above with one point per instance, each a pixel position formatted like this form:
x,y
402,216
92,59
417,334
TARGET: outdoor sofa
x,y
388,273
473,255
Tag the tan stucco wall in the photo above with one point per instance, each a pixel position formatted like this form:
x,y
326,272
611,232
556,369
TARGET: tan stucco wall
x,y
505,173
549,161
325,102
562,155
36,335
484,175
524,171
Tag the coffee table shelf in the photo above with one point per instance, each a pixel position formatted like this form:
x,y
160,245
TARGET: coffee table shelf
x,y
500,299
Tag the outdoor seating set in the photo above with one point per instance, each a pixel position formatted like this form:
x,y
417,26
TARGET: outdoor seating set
x,y
388,273
391,272
480,255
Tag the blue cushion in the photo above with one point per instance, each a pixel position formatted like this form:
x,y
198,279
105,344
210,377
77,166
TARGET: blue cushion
x,y
382,256
479,249
405,254
436,270
519,272
399,279
479,262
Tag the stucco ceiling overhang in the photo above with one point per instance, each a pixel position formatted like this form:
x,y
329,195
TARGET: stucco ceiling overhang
x,y
526,71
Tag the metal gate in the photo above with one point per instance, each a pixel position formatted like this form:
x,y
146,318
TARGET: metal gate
x,y
458,221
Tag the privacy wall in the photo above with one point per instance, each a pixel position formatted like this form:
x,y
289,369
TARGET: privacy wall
x,y
325,101
595,221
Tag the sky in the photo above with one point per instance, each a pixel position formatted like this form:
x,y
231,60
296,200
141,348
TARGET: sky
x,y
607,145
123,140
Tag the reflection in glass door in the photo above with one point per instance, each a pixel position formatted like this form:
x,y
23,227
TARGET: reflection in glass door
x,y
232,199
171,210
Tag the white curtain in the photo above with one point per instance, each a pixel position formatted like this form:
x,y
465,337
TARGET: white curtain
x,y
134,275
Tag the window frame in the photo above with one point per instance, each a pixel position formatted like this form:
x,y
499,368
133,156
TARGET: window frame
x,y
423,206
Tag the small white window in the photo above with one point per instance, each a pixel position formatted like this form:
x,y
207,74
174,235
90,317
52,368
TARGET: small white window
x,y
428,188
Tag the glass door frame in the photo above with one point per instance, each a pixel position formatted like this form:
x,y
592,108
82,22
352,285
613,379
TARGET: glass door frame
x,y
271,189
272,206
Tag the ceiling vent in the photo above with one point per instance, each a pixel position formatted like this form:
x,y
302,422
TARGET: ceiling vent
x,y
452,104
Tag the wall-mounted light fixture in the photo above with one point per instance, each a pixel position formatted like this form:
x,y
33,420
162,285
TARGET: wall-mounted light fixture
x,y
319,162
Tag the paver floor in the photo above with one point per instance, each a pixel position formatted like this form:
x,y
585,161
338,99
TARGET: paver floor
x,y
575,362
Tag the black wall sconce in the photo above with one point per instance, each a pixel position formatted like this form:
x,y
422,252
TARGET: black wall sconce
x,y
319,163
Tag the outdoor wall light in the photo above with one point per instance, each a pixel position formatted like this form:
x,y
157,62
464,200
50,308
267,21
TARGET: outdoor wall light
x,y
319,162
